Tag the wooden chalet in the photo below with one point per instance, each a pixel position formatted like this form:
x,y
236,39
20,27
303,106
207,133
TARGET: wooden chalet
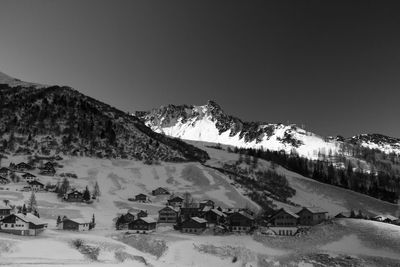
x,y
4,180
206,203
160,191
284,218
214,216
36,185
5,210
4,171
74,196
341,215
311,216
240,221
23,167
168,214
141,198
123,221
49,171
142,213
143,225
175,201
22,224
73,224
194,225
28,177
189,212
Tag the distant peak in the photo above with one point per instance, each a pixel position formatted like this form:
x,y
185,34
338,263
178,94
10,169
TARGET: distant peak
x,y
13,82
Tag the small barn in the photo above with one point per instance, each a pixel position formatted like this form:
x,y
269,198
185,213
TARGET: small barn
x,y
160,191
74,196
73,224
141,198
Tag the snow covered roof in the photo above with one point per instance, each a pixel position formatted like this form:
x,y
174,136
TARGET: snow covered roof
x,y
176,209
315,210
79,221
30,218
148,219
218,212
199,220
4,207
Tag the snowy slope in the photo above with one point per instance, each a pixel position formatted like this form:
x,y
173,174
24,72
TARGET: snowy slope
x,y
210,124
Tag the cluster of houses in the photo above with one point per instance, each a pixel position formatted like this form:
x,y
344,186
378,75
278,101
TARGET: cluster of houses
x,y
22,169
199,216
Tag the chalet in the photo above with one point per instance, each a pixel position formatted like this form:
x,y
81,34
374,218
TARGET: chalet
x,y
123,221
4,171
142,213
36,185
23,167
214,216
73,224
74,196
284,218
189,212
141,198
5,210
168,214
240,221
28,177
49,171
206,203
143,225
160,191
343,215
194,225
175,201
311,216
4,180
22,224
49,165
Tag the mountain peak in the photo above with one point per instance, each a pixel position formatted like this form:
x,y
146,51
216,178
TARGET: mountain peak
x,y
14,82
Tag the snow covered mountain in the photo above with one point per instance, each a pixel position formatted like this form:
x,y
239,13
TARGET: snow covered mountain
x,y
209,123
378,141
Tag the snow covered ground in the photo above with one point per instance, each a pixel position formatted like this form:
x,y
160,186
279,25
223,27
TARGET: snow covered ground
x,y
122,179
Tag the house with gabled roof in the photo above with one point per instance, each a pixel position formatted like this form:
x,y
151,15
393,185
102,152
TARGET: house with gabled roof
x,y
73,224
141,198
36,185
4,180
194,225
74,196
214,216
5,210
175,201
168,214
284,218
22,224
160,191
4,171
28,177
311,216
143,225
22,166
240,221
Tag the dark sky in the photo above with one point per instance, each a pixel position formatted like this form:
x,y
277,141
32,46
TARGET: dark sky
x,y
331,65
